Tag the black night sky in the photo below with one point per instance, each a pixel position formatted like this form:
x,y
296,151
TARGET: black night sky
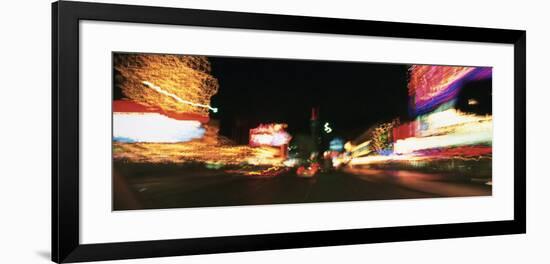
x,y
351,96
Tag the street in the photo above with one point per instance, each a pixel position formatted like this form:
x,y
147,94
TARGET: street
x,y
177,187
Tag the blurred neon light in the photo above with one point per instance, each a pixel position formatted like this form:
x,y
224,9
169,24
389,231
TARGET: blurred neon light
x,y
448,128
405,130
352,148
461,153
440,132
336,144
154,127
187,77
431,86
379,159
451,117
271,171
327,128
269,135
201,150
175,97
127,106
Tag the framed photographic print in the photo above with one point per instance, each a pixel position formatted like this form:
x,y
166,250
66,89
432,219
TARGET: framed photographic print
x,y
181,131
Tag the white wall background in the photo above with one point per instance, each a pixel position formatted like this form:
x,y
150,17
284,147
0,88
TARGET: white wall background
x,y
25,131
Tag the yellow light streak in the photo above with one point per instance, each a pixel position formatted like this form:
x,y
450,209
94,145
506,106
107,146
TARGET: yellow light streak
x,y
175,97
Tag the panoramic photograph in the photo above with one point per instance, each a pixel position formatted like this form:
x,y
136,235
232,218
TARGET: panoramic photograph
x,y
202,131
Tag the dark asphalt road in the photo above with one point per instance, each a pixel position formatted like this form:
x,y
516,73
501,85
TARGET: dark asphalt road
x,y
174,188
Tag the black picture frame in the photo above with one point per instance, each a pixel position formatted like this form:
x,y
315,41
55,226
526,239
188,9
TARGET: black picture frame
x,y
65,131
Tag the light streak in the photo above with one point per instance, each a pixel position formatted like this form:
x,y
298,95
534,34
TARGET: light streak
x,y
127,106
460,153
365,146
269,172
380,159
410,145
196,151
448,128
450,118
175,97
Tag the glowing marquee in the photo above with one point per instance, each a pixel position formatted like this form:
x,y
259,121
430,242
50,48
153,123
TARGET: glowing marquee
x,y
269,135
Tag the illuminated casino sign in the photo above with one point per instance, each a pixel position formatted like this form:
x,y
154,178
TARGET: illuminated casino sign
x,y
432,86
134,122
269,135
